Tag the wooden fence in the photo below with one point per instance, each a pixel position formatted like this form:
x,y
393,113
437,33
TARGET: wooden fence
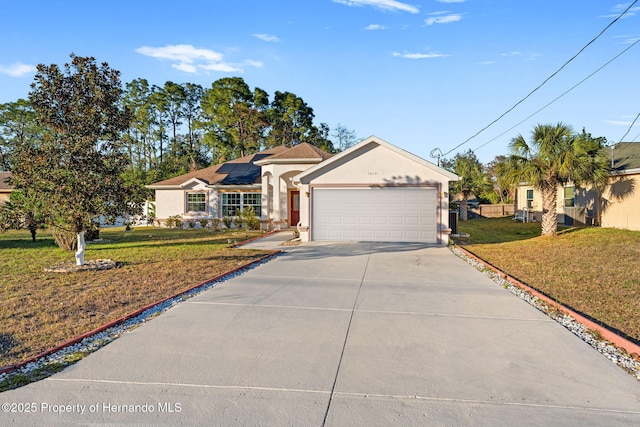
x,y
494,211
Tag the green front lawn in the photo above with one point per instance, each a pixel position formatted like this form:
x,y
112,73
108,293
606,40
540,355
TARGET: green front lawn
x,y
595,271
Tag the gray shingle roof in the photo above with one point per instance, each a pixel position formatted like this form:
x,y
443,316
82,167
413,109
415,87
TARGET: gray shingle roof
x,y
626,155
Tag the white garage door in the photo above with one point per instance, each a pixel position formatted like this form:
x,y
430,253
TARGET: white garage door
x,y
388,214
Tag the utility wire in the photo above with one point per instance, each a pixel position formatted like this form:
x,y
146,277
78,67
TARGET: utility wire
x,y
629,130
545,81
563,94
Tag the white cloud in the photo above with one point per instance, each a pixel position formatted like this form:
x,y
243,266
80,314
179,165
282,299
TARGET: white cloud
x,y
374,27
180,52
619,8
621,122
252,63
429,55
184,67
17,69
526,56
190,59
442,18
267,37
381,4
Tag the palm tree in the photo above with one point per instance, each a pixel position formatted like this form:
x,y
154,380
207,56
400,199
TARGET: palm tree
x,y
555,155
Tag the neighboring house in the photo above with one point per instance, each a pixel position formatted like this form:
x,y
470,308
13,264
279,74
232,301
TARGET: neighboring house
x,y
5,188
374,191
617,207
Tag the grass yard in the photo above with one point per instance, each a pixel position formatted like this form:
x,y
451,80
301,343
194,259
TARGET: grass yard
x,y
595,271
39,310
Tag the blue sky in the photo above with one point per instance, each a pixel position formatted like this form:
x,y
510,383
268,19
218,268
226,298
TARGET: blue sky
x,y
419,74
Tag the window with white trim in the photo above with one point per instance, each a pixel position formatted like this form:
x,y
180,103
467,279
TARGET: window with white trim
x,y
254,200
569,197
196,202
231,204
234,203
529,199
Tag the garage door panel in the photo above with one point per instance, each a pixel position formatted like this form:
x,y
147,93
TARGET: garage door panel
x,y
375,214
396,220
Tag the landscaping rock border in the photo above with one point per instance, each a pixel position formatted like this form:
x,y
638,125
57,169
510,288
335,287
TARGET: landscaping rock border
x,y
91,265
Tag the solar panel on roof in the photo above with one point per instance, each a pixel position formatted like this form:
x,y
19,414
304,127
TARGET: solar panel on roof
x,y
241,173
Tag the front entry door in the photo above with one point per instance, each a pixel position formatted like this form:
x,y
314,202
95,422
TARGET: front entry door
x,y
294,208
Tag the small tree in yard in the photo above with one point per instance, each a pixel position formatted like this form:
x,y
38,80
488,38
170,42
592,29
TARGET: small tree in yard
x,y
473,179
555,155
73,173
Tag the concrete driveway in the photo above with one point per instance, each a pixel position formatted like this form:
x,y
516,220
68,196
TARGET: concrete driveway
x,y
342,335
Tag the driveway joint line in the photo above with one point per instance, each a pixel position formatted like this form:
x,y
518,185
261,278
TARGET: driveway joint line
x,y
410,313
298,307
187,385
346,337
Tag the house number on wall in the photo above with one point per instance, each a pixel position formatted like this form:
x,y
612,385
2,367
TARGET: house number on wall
x,y
373,173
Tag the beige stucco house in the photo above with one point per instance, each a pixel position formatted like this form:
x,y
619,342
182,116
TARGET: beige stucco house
x,y
617,207
5,188
374,191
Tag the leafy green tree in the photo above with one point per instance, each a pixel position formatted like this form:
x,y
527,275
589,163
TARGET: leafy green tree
x,y
233,118
17,125
553,156
74,172
192,109
291,120
137,99
171,102
20,212
473,179
158,107
502,190
319,136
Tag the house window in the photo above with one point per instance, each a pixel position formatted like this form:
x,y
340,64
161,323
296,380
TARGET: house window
x,y
530,199
196,202
569,197
230,204
254,200
233,203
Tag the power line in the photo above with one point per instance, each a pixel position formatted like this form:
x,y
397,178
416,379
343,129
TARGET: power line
x,y
563,94
629,130
545,81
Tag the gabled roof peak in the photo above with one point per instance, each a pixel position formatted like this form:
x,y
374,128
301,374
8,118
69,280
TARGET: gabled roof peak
x,y
301,151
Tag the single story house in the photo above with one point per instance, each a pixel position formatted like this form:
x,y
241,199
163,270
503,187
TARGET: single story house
x,y
618,206
373,191
5,188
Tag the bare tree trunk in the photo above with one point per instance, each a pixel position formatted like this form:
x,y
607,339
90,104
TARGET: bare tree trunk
x,y
549,214
65,239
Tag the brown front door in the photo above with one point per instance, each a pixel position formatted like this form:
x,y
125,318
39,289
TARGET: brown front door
x,y
294,208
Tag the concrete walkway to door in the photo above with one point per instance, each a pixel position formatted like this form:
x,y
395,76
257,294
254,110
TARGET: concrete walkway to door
x,y
354,334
